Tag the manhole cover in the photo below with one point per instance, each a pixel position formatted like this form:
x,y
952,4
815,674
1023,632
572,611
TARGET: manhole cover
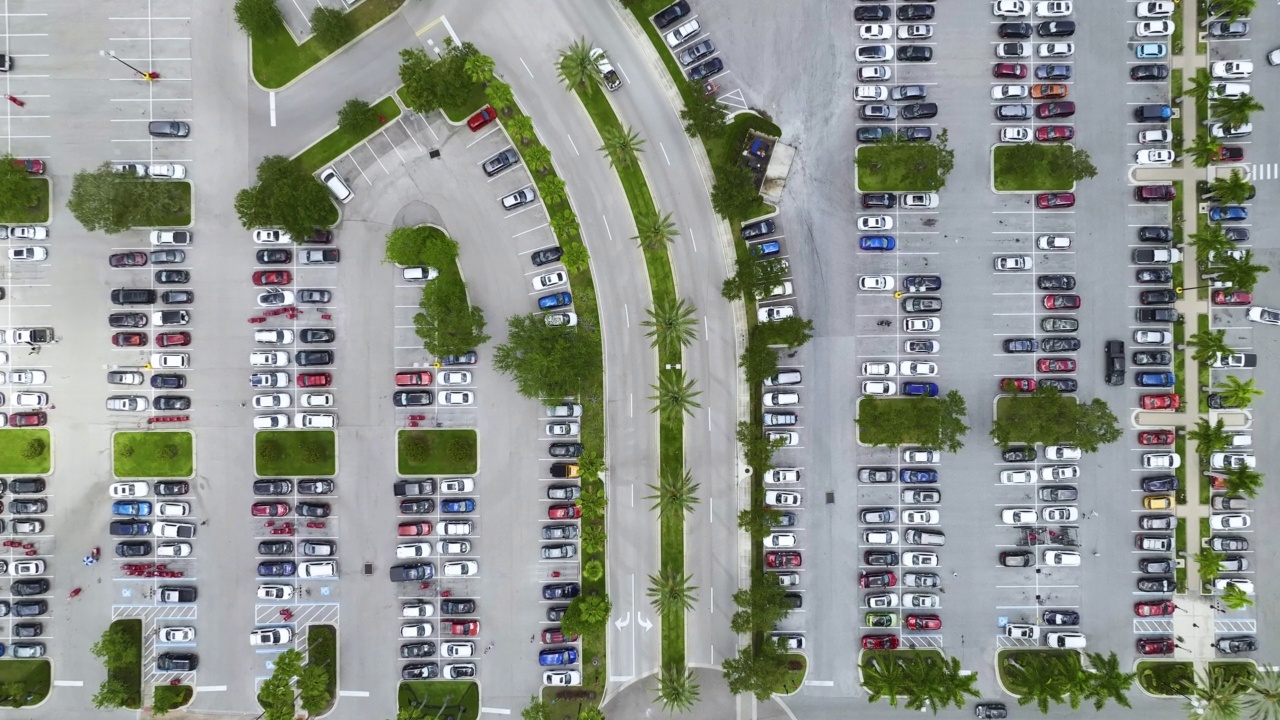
x,y
831,498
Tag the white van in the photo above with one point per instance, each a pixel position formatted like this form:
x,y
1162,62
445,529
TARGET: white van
x,y
1061,557
419,273
315,420
924,537
334,182
318,569
1065,640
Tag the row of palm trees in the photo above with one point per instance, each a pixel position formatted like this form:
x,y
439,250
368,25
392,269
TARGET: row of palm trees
x,y
1212,438
1241,272
1227,696
1232,112
924,680
1043,677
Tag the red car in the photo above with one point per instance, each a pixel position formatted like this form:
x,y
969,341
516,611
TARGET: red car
x,y
1161,402
924,622
173,339
1156,437
1055,133
877,579
314,379
270,509
28,419
879,642
1235,297
34,167
564,512
1154,193
414,529
1056,109
1049,201
1056,365
461,627
265,278
1154,646
783,559
1230,153
129,339
556,637
1154,608
410,379
482,118
1062,302
128,259
1009,70
1017,384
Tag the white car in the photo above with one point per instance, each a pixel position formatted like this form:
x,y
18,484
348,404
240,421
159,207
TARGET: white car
x,y
873,53
1055,50
919,600
875,32
28,526
917,31
457,485
271,236
786,437
28,232
920,559
921,455
910,368
1222,130
880,537
879,387
29,253
776,291
1155,9
30,399
269,358
1011,8
461,568
318,569
880,601
1022,632
780,540
781,476
455,527
417,609
275,592
1015,135
926,324
454,377
406,551
1011,92
870,93
173,549
779,498
1013,263
774,313
1264,315
876,282
781,399
921,517
277,421
28,377
1231,460
874,73
1155,137
1053,242
1231,69
1063,452
1154,337
1223,583
27,568
173,361
1060,472
1053,8
276,297
316,400
563,429
1228,90
273,337
181,634
920,200
1154,157
875,222
311,421
173,509
682,33
550,280
270,636
167,171
1155,28
1017,477
272,400
174,530
129,489
1161,460
878,369
1012,51
1018,516
416,630
456,397
561,678
170,237
1059,514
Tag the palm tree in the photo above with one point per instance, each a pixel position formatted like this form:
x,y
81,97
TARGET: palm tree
x,y
884,676
1218,695
537,157
671,324
675,493
1209,438
1236,598
1237,393
936,684
1261,700
478,67
1208,344
1235,111
1204,148
576,69
520,128
1212,240
500,96
621,145
1043,679
1241,272
654,230
1199,85
552,189
1232,189
675,395
1232,10
678,689
1107,681
1209,562
670,592
1243,481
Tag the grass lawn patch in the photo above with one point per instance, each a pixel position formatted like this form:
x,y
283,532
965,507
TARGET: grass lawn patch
x,y
1180,551
474,100
1033,166
436,452
36,214
295,453
1175,123
932,422
322,650
428,699
1203,370
1005,657
130,673
1205,530
900,166
339,141
1180,447
790,681
278,59
172,696
25,682
1240,670
153,454
168,205
25,451
1166,677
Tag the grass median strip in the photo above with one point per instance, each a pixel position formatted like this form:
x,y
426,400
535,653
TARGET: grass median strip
x,y
153,454
333,145
295,453
24,682
39,212
432,699
278,59
437,452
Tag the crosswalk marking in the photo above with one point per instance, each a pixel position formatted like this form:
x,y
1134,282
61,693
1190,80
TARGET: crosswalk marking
x,y
1262,171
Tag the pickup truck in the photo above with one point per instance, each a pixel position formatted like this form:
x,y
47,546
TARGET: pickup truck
x,y
176,594
1156,256
403,488
564,470
39,336
611,79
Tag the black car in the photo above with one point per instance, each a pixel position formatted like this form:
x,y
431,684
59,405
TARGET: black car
x,y
1061,617
30,608
915,53
1014,30
561,591
879,200
28,630
1157,315
565,450
275,547
671,13
133,548
1158,297
312,509
1154,275
177,662
1218,402
316,335
1062,385
758,229
277,568
1236,234
1017,558
28,507
874,133
1155,233
915,12
1021,345
1159,483
1020,453
172,277
133,296
915,133
274,256
1053,72
1056,282
127,320
990,711
418,650
1016,111
313,357
417,506
1059,344
419,671
172,487
402,488
272,487
1156,566
467,358
171,402
920,111
710,68
315,487
872,13
1237,644
177,297
922,283
880,557
795,600
27,588
412,572
1056,28
405,398
27,486
501,161
922,305
559,532
463,607
1157,584
1154,71
1153,357
168,381
546,255
314,297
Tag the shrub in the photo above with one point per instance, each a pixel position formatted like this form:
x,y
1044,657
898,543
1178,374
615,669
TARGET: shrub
x,y
270,450
166,452
126,451
256,17
593,570
330,27
459,449
417,449
315,450
34,448
357,117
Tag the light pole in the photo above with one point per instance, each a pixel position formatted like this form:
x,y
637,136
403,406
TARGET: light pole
x,y
148,76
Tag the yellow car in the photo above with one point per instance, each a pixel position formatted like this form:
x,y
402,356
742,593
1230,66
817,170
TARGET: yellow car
x,y
1157,502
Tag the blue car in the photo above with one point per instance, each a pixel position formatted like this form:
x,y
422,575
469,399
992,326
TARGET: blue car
x,y
565,656
773,247
882,243
918,476
1228,213
130,528
926,389
131,508
1155,379
1150,51
465,505
555,300
277,568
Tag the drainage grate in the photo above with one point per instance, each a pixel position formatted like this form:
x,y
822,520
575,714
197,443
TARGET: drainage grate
x,y
831,498
434,154
368,568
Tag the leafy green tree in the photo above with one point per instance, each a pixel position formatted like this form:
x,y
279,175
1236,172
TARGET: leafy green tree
x,y
421,246
448,324
1261,700
313,688
758,362
112,202
111,694
1243,481
285,196
478,68
501,97
757,450
1236,598
678,689
762,605
592,501
537,157
431,84
735,195
520,128
1204,148
552,189
536,710
586,613
575,257
1232,10
330,27
1049,417
703,116
1209,438
621,145
118,646
18,191
931,422
1212,240
791,332
547,361
934,684
654,231
165,699
671,324
753,277
670,592
590,465
755,671
257,17
675,494
675,394
357,117
590,713
1080,165
1107,681
1209,562
1241,272
759,521
1238,393
1208,344
1232,189
576,68
1235,111
565,226
275,695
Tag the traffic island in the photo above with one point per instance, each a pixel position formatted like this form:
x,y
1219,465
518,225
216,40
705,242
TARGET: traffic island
x,y
25,452
322,653
171,697
120,649
153,454
790,682
1166,677
1032,167
929,422
437,452
895,165
34,209
295,453
429,699
278,59
24,683
335,144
